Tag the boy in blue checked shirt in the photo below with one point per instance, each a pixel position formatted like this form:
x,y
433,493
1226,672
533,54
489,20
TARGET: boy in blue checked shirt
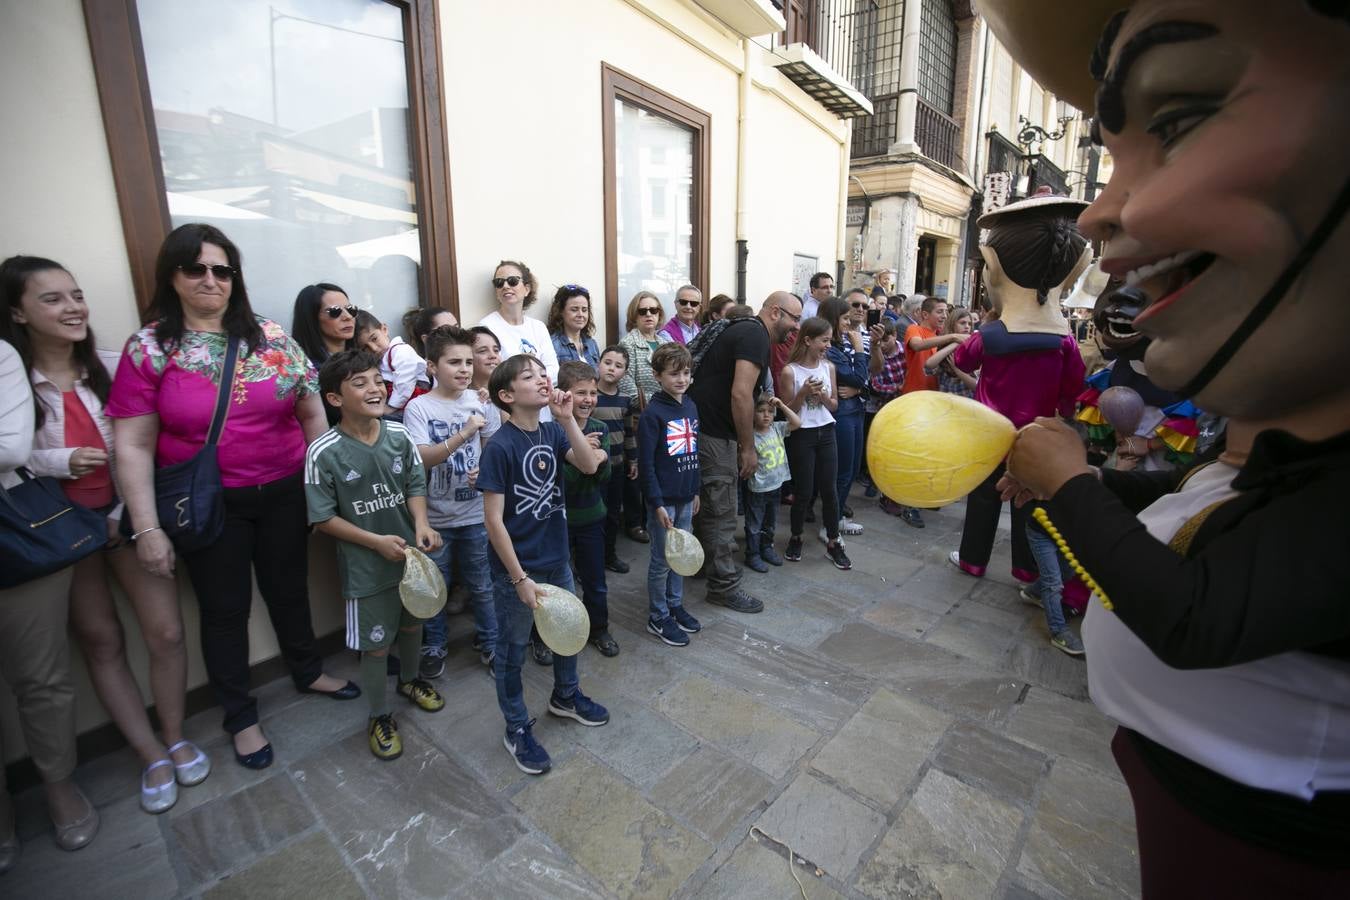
x,y
521,479
668,468
586,505
365,487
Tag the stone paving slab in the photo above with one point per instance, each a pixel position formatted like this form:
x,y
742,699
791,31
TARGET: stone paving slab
x,y
310,866
1081,842
1056,724
985,760
532,869
738,724
632,848
823,824
417,826
712,792
951,840
756,872
215,838
879,751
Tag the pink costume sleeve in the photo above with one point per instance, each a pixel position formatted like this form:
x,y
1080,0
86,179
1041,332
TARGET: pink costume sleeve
x,y
969,357
1071,376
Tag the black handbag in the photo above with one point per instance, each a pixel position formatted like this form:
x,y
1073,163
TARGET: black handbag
x,y
188,495
41,531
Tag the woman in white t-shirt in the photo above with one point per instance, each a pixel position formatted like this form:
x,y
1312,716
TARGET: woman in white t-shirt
x,y
516,291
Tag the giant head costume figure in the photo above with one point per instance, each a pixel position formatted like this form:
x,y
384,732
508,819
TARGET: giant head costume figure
x,y
1225,214
1032,253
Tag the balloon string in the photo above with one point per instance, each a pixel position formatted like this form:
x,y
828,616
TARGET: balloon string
x,y
1043,519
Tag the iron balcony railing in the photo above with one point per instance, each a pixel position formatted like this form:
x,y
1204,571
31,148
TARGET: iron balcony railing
x,y
841,32
937,135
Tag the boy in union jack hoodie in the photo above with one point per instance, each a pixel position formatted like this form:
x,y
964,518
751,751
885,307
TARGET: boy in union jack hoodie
x,y
668,469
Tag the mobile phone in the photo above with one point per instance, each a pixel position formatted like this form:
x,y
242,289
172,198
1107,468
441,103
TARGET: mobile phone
x,y
873,317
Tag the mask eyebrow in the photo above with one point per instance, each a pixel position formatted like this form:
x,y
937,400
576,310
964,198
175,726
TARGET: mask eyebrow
x,y
1110,96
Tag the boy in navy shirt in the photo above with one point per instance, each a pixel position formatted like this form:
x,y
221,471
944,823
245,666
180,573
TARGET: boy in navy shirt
x,y
668,469
618,414
521,479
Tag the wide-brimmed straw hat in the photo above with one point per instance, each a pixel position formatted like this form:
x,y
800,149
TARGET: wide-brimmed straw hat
x,y
1043,197
1053,40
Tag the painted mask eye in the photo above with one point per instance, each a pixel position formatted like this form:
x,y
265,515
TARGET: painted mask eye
x,y
1170,126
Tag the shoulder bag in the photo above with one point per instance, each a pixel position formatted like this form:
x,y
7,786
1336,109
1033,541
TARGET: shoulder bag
x,y
42,532
189,495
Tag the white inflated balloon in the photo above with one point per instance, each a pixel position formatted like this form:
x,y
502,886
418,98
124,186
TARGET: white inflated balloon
x,y
684,554
422,588
562,620
930,448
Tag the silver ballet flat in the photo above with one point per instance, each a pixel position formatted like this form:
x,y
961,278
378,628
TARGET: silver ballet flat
x,y
78,834
194,772
158,798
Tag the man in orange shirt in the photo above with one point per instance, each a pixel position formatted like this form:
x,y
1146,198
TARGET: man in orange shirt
x,y
921,341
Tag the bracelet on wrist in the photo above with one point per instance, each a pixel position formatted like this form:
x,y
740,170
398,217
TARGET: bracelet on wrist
x,y
517,581
137,534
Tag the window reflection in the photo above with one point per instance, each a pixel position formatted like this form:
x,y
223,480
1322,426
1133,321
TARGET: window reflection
x,y
285,123
654,164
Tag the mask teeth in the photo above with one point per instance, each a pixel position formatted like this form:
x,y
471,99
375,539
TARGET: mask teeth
x,y
1143,273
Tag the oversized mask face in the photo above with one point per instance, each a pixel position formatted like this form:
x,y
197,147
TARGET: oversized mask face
x,y
1228,127
1114,317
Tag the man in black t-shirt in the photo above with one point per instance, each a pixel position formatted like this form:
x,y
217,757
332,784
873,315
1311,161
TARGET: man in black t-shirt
x,y
728,380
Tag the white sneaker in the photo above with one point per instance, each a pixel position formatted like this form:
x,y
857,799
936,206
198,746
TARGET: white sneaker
x,y
848,526
825,538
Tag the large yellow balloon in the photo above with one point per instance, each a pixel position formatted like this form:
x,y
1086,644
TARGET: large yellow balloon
x,y
928,448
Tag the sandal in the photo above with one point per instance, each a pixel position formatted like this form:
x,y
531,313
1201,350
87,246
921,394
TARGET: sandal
x,y
193,772
160,797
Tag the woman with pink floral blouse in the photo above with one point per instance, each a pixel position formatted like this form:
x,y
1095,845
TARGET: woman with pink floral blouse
x,y
162,401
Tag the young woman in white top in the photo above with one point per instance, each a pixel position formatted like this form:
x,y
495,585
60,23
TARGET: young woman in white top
x,y
74,443
807,385
516,290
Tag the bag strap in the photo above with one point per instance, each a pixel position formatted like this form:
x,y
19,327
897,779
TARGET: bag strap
x,y
223,394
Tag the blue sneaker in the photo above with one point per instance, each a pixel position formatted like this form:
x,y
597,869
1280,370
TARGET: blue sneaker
x,y
530,758
688,624
668,631
579,707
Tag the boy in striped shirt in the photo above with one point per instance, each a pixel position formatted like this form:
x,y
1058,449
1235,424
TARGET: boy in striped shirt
x,y
584,496
365,486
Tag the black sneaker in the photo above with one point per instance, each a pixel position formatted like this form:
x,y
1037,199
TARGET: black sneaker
x,y
529,757
605,643
910,516
432,664
541,654
846,511
793,553
668,631
737,601
688,624
579,708
617,565
836,555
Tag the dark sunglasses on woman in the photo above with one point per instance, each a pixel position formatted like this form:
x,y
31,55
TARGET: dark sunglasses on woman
x,y
512,280
199,270
335,312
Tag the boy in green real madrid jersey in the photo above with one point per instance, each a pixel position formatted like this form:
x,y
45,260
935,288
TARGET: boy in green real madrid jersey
x,y
365,486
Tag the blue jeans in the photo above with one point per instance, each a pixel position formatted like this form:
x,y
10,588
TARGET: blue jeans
x,y
467,544
514,620
761,516
848,435
588,556
1049,586
665,589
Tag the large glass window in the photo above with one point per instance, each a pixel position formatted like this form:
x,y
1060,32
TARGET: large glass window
x,y
937,54
656,195
286,124
651,256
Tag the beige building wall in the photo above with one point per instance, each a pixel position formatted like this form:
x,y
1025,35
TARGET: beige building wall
x,y
523,107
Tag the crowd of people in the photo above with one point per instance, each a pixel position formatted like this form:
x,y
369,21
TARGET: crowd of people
x,y
516,453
